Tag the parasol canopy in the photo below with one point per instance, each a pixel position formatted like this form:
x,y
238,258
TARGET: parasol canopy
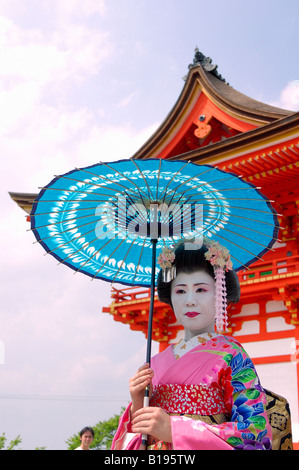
x,y
101,220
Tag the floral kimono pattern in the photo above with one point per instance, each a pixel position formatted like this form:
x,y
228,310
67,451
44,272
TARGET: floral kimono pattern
x,y
212,393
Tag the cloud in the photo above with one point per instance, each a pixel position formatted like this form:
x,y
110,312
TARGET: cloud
x,y
289,97
77,8
41,72
113,142
125,101
66,10
39,58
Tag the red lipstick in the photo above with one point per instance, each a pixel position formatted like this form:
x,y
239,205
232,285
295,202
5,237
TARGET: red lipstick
x,y
192,314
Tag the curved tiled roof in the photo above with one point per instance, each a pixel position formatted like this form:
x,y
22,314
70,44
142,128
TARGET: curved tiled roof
x,y
245,103
235,104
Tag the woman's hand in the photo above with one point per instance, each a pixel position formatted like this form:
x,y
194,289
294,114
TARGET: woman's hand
x,y
137,386
152,421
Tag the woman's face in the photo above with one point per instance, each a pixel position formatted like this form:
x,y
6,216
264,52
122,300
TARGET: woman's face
x,y
193,301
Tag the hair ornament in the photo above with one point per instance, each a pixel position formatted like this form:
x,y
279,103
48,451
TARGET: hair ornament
x,y
165,260
221,320
218,255
219,258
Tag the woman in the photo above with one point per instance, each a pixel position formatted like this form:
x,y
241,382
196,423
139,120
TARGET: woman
x,y
205,393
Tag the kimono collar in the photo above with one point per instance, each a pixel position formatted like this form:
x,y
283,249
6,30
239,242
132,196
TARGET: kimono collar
x,y
182,347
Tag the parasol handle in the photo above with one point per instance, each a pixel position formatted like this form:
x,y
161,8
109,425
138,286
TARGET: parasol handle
x,y
150,328
151,309
145,404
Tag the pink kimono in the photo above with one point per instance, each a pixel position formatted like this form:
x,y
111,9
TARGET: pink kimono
x,y
211,391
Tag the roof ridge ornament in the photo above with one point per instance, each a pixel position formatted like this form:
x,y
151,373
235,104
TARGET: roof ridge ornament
x,y
206,63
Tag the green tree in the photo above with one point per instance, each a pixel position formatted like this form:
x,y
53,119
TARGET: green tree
x,y
103,435
12,445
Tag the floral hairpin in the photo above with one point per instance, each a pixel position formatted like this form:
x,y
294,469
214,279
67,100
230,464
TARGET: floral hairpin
x,y
165,260
218,255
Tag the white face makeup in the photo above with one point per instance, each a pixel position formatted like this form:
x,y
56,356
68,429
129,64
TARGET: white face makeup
x,y
193,301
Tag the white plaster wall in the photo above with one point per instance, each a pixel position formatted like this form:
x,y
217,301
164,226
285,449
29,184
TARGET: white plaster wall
x,y
272,347
281,378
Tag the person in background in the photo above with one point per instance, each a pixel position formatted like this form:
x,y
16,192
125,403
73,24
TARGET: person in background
x,y
86,438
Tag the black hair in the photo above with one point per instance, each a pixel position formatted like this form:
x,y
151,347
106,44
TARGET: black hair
x,y
189,261
85,429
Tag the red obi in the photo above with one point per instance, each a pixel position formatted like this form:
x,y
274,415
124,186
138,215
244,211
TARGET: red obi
x,y
189,399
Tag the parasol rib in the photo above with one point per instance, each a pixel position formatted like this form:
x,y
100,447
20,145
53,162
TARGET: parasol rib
x,y
75,209
123,176
189,179
246,238
253,230
94,254
245,218
144,179
63,244
107,179
73,219
174,176
81,191
139,260
57,223
91,183
122,262
203,184
104,264
63,231
84,245
66,221
158,179
239,246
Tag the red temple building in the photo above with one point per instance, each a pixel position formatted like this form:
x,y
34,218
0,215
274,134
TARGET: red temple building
x,y
212,123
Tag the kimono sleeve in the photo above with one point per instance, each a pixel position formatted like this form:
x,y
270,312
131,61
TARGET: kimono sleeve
x,y
124,439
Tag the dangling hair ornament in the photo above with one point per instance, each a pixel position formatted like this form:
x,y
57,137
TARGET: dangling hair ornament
x,y
165,260
219,258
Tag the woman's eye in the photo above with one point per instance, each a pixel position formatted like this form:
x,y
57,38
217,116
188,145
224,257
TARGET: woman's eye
x,y
180,291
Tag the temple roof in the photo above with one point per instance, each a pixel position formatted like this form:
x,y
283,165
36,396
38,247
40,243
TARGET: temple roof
x,y
224,91
24,200
248,105
212,123
207,111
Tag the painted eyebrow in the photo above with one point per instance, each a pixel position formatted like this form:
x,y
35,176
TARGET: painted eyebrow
x,y
197,284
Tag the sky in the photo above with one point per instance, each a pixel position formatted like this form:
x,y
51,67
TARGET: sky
x,y
83,82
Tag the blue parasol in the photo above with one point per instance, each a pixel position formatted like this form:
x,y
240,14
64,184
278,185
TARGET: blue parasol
x,y
111,220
